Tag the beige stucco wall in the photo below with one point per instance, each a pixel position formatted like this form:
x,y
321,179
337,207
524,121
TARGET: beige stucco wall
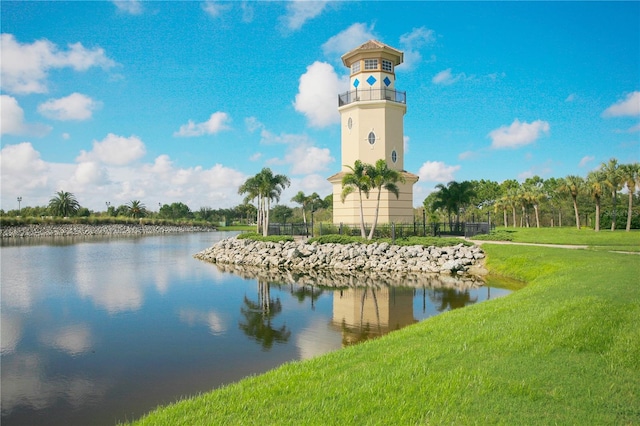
x,y
370,112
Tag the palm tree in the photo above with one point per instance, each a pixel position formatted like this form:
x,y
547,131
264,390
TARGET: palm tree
x,y
63,204
357,180
251,189
535,193
631,178
136,209
382,176
613,180
509,190
266,187
596,188
502,204
306,201
573,185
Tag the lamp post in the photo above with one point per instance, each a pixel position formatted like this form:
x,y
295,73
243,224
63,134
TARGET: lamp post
x,y
19,201
108,204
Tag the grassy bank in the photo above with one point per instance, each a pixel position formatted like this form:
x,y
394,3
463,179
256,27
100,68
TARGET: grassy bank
x,y
561,351
618,240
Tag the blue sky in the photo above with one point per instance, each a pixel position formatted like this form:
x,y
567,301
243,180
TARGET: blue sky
x,y
183,101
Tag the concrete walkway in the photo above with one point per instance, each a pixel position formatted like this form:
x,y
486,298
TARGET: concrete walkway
x,y
565,246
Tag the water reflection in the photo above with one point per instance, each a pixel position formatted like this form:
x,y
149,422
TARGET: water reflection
x,y
99,330
258,318
366,312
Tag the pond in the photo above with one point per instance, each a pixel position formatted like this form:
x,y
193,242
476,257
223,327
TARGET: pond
x,y
98,330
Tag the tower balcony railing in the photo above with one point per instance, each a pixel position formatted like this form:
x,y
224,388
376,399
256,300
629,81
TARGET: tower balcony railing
x,y
372,95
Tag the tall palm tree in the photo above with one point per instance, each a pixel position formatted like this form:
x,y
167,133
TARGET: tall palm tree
x,y
136,209
613,180
509,189
306,201
502,204
251,191
596,188
270,188
462,193
444,201
535,193
381,176
573,185
266,187
63,204
631,178
357,180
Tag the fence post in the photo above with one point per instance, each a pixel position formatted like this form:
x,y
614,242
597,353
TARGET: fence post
x,y
393,232
340,230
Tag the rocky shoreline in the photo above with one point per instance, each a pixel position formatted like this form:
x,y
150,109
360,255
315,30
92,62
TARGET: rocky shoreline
x,y
69,230
378,257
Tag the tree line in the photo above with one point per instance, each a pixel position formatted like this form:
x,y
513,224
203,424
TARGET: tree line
x,y
539,202
598,198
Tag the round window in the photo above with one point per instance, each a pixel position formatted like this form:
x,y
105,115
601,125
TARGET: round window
x,y
394,156
372,138
350,123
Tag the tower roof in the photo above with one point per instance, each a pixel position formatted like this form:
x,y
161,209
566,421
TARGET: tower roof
x,y
373,46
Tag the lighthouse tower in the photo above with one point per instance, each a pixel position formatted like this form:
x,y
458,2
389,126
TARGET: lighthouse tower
x,y
372,128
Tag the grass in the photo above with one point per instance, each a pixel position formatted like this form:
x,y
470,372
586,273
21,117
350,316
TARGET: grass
x,y
409,241
563,350
618,240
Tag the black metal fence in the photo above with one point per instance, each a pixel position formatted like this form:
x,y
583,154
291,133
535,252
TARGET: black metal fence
x,y
392,230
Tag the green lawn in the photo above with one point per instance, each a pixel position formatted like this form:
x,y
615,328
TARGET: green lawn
x,y
563,350
618,240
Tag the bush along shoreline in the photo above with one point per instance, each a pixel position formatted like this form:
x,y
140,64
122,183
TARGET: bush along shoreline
x,y
298,255
69,230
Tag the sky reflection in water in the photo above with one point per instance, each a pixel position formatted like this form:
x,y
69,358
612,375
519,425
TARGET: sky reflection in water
x,y
99,330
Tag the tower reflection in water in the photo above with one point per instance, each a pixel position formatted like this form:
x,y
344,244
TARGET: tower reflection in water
x,y
363,313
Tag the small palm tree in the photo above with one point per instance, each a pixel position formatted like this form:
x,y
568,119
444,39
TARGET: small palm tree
x,y
266,187
381,176
136,209
613,180
631,178
596,188
357,180
573,185
63,204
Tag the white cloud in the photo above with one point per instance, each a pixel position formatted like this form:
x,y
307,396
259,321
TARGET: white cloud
x,y
268,138
467,155
24,67
12,120
305,159
300,11
316,98
215,8
132,7
411,42
76,106
217,122
93,181
446,77
73,339
629,106
22,165
586,160
253,124
347,40
90,173
518,134
437,171
571,98
114,150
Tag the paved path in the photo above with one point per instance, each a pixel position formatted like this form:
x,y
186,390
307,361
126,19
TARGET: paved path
x,y
565,246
